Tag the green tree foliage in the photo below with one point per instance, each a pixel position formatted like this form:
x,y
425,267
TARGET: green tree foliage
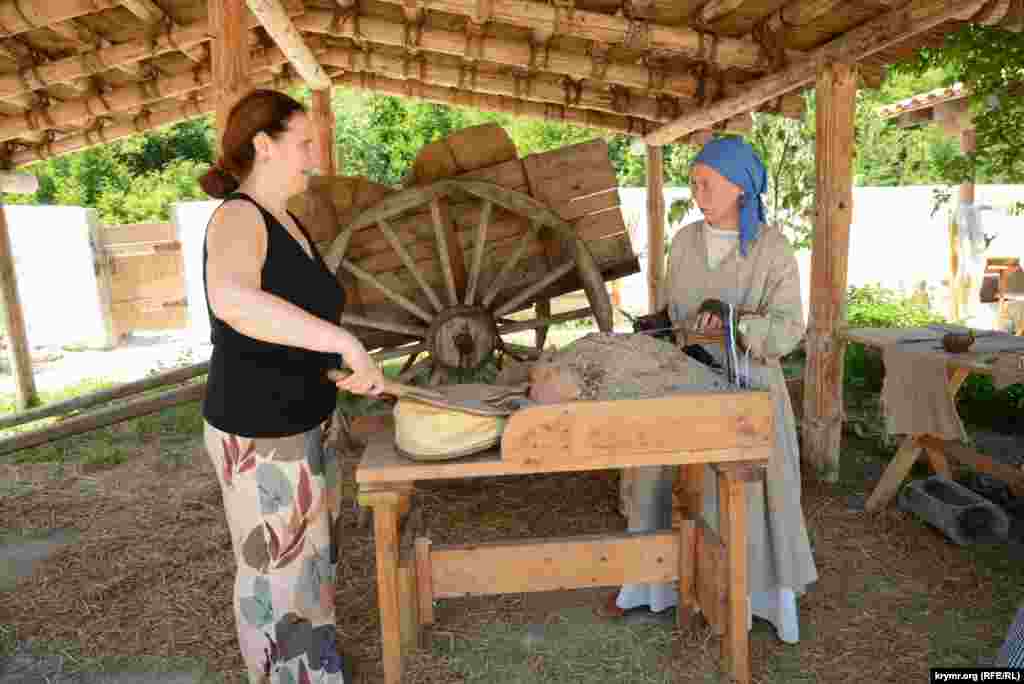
x,y
131,180
990,61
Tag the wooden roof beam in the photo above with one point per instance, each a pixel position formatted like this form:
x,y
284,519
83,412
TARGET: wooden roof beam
x,y
892,28
274,18
523,85
199,103
500,103
716,9
98,60
152,15
19,16
516,54
123,98
610,29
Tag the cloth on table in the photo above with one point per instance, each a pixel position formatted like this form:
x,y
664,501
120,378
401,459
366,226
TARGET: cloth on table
x,y
915,395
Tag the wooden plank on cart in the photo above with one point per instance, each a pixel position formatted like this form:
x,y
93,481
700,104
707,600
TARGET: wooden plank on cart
x,y
554,564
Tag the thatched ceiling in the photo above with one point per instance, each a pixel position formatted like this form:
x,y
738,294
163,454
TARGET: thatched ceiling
x,y
80,72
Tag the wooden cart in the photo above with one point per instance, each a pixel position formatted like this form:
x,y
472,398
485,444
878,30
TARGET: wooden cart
x,y
441,269
732,431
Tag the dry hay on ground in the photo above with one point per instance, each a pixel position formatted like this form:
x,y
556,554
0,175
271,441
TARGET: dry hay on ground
x,y
152,574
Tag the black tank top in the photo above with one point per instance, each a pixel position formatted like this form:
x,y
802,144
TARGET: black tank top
x,y
260,389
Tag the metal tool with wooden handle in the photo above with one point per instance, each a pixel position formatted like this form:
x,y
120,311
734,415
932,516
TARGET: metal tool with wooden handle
x,y
450,400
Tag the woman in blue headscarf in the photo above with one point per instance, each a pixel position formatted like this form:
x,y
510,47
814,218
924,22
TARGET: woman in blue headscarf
x,y
733,257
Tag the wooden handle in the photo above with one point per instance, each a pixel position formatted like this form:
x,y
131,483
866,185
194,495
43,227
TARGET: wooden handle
x,y
395,389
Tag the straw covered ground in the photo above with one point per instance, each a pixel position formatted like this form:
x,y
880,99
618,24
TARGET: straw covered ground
x,y
151,575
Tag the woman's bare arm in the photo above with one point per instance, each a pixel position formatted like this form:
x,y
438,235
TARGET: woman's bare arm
x,y
236,245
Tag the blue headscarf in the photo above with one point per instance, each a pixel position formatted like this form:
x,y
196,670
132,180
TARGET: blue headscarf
x,y
735,159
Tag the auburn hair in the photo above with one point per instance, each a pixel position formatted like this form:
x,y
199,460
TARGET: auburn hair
x,y
261,111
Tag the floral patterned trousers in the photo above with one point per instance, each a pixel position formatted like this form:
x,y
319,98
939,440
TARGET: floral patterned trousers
x,y
281,498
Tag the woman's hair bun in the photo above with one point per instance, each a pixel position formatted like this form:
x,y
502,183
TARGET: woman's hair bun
x,y
218,182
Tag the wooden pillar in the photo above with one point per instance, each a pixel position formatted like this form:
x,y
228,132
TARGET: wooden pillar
x,y
17,339
823,380
323,126
655,222
968,145
958,287
230,55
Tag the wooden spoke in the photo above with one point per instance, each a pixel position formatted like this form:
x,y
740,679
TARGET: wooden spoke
x,y
516,202
409,363
535,289
509,266
537,323
542,308
398,203
398,352
411,330
479,240
520,350
448,250
403,254
388,292
338,248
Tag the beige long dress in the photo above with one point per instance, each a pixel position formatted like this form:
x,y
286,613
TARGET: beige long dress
x,y
765,281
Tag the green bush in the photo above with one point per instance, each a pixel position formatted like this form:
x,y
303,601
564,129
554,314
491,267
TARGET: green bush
x,y
873,306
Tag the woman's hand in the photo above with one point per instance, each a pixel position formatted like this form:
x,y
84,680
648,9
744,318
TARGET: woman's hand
x,y
366,377
708,322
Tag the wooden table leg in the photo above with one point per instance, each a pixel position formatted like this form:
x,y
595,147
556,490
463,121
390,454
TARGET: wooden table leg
x,y
732,522
894,475
386,506
910,451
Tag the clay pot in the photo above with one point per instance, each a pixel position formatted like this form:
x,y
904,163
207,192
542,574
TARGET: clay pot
x,y
956,343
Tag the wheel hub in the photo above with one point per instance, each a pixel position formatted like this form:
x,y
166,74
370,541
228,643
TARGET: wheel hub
x,y
462,337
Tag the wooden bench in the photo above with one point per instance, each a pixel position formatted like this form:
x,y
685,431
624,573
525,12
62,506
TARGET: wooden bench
x,y
733,431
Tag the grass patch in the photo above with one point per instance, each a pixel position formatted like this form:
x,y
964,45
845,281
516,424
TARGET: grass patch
x,y
571,647
73,662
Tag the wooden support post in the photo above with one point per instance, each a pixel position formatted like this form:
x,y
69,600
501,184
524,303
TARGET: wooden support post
x,y
387,506
229,22
732,525
323,126
655,223
823,380
968,145
17,338
408,607
102,264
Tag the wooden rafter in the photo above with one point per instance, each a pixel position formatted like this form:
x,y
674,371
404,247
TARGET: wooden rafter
x,y
509,53
890,29
19,16
96,61
612,29
274,18
120,99
525,86
199,103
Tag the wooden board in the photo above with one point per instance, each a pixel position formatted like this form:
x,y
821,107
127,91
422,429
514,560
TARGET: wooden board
x,y
147,277
711,580
595,434
382,464
554,564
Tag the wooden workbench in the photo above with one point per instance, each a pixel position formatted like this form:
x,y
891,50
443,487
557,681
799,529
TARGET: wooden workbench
x,y
958,367
733,431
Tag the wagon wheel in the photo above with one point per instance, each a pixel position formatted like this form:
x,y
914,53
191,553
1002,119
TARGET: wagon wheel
x,y
460,319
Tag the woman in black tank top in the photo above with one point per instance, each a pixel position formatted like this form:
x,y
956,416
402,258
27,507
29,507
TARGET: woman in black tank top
x,y
274,313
